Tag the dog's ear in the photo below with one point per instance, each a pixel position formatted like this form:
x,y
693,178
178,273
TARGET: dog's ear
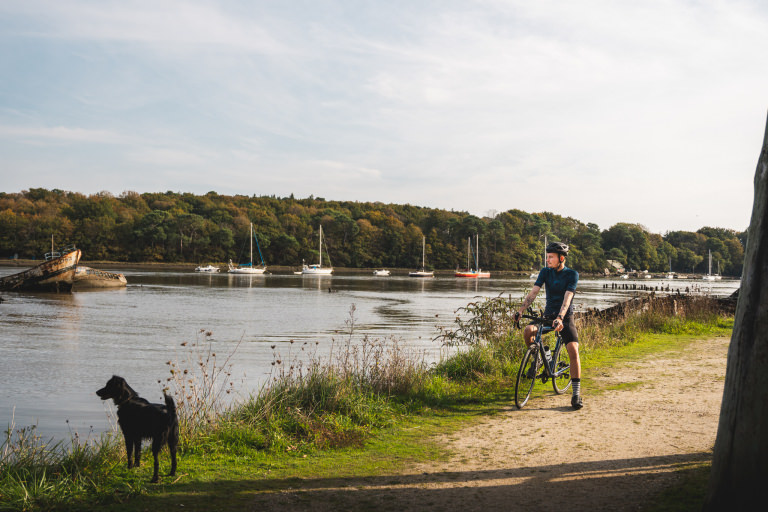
x,y
125,390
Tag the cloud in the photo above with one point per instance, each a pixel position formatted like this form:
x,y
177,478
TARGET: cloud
x,y
60,134
604,101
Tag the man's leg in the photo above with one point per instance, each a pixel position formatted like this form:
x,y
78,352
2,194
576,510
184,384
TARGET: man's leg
x,y
573,356
528,335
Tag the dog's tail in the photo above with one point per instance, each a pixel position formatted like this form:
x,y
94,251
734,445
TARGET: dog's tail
x,y
170,405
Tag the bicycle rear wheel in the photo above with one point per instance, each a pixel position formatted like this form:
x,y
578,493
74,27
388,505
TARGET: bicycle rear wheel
x,y
524,384
561,382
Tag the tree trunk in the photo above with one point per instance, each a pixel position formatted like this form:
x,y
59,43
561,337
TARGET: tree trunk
x,y
740,461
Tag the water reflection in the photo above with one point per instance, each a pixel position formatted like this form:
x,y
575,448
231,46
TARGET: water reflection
x,y
56,350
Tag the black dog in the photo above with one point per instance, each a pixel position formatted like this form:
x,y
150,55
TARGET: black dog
x,y
139,419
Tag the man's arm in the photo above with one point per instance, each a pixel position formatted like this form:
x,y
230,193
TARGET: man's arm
x,y
567,298
529,299
558,323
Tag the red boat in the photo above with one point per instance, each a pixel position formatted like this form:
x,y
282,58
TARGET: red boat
x,y
470,272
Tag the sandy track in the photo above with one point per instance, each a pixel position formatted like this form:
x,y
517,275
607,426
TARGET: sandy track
x,y
625,446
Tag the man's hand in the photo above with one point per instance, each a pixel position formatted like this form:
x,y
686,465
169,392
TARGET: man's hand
x,y
558,324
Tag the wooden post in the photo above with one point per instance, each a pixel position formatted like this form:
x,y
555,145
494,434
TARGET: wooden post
x,y
740,461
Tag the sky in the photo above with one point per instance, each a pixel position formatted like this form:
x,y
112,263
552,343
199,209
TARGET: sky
x,y
643,112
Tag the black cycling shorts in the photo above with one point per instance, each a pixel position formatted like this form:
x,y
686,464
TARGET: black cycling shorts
x,y
568,333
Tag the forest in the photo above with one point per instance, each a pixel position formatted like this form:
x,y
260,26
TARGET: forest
x,y
184,227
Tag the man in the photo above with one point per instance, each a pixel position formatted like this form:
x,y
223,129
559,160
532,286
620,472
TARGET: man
x,y
560,282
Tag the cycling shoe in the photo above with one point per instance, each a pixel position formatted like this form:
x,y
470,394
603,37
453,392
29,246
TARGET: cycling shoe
x,y
576,402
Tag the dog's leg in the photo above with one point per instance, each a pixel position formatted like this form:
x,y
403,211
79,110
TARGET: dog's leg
x,y
129,451
173,442
172,449
137,452
157,443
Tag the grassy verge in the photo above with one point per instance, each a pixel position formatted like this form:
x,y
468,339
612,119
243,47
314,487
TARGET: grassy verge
x,y
364,412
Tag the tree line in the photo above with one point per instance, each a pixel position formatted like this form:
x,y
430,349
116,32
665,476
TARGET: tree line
x,y
184,227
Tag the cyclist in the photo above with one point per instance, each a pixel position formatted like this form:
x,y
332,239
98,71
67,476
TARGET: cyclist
x,y
560,282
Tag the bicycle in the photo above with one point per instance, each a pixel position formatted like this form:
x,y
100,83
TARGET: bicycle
x,y
557,367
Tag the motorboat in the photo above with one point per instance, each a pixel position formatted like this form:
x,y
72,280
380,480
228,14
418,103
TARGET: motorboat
x,y
210,269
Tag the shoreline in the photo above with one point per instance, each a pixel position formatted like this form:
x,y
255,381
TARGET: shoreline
x,y
289,269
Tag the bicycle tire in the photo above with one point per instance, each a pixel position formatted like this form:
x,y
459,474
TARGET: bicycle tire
x,y
524,385
562,361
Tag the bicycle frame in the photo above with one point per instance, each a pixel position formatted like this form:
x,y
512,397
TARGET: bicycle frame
x,y
535,360
549,366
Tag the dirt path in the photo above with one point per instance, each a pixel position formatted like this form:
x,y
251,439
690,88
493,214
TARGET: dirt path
x,y
622,448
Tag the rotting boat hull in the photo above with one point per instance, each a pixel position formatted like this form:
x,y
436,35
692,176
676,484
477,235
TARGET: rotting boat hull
x,y
54,275
91,278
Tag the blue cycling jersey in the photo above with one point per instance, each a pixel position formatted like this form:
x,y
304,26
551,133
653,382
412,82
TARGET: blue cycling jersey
x,y
557,283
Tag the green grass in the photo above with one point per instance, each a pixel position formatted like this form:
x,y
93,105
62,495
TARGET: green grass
x,y
363,415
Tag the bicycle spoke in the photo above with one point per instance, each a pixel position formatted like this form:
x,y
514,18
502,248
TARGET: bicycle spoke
x,y
526,377
561,382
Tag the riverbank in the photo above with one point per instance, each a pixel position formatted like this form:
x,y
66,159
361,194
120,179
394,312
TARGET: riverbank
x,y
288,269
325,421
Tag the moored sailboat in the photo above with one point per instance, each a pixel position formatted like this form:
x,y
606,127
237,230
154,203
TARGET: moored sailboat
x,y
318,269
422,272
709,276
248,268
470,272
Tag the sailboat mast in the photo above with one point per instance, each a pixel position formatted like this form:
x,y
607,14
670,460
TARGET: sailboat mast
x,y
468,239
321,245
251,238
477,252
423,252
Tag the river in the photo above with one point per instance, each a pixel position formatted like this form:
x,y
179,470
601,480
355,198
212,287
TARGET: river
x,y
57,350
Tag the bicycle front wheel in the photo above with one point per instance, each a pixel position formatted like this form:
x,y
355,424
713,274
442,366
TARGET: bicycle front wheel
x,y
562,379
524,383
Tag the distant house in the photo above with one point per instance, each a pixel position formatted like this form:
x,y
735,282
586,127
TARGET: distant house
x,y
618,267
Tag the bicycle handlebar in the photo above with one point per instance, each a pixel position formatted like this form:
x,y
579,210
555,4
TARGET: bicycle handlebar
x,y
540,320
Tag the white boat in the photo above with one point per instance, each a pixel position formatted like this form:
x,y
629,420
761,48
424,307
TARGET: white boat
x,y
208,268
317,270
670,276
422,272
248,268
382,272
624,276
709,276
534,276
